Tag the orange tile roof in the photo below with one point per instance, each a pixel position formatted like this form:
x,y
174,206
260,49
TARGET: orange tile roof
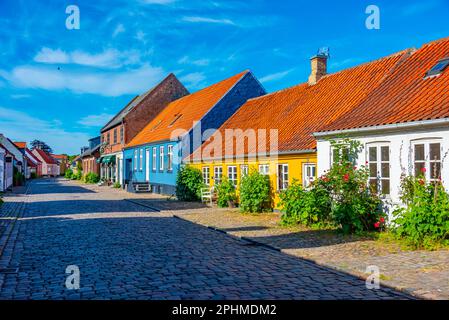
x,y
407,95
182,113
21,145
299,111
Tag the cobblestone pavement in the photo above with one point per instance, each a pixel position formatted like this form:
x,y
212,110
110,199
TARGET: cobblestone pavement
x,y
127,251
421,273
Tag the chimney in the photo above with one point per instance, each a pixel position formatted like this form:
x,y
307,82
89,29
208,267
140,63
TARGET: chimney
x,y
318,66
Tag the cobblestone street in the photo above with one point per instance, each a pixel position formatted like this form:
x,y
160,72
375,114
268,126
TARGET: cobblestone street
x,y
128,251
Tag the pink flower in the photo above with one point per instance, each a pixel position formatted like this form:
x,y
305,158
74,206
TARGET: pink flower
x,y
377,225
423,170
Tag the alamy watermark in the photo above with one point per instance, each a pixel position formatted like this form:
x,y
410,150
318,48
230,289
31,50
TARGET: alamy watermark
x,y
372,22
373,280
72,282
73,21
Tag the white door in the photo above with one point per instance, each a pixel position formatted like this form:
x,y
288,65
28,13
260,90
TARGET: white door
x,y
147,164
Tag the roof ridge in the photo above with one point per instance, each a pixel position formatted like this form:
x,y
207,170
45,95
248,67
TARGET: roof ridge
x,y
435,42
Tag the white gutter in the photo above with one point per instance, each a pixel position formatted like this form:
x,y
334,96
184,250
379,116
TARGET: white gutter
x,y
422,124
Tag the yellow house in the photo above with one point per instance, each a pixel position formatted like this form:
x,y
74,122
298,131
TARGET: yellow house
x,y
273,133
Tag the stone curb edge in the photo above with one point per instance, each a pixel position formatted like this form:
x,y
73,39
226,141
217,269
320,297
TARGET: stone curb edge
x,y
333,269
142,205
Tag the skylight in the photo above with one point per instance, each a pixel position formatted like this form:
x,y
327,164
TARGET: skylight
x,y
439,67
177,116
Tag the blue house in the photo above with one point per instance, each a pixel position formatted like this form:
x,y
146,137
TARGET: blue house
x,y
154,156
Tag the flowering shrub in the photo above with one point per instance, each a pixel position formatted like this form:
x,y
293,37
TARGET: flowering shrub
x,y
341,197
225,193
424,222
255,193
188,184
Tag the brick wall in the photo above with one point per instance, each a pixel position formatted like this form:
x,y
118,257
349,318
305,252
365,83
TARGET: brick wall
x,y
170,89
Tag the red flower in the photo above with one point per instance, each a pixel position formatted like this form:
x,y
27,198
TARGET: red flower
x,y
355,168
382,220
346,177
377,225
423,170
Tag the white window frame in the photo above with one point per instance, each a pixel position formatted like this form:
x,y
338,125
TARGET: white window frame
x,y
141,160
161,158
264,169
427,161
307,178
283,176
170,157
232,174
135,160
154,158
147,164
206,175
218,174
379,176
244,170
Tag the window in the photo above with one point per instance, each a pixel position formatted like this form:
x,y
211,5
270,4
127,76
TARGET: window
x,y
244,171
232,174
122,135
108,138
161,158
170,158
283,176
264,169
135,160
439,67
115,135
379,168
206,176
154,159
427,160
141,160
218,173
308,174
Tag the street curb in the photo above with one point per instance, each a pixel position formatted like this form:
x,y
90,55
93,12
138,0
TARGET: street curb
x,y
332,269
142,205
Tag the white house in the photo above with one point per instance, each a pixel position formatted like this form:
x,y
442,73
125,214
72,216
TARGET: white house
x,y
6,169
19,160
403,124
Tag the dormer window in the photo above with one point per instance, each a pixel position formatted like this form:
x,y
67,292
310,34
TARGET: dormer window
x,y
438,68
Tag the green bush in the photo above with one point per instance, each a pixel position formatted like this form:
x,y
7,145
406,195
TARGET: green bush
x,y
311,207
91,178
188,184
225,193
78,175
33,175
68,174
117,185
424,222
18,178
255,193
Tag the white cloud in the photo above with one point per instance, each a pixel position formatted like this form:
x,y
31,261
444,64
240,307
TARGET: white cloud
x,y
110,58
47,55
141,36
103,83
13,123
275,76
20,96
193,80
119,29
95,120
198,62
196,19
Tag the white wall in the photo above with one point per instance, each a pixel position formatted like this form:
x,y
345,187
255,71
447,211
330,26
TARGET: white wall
x,y
401,153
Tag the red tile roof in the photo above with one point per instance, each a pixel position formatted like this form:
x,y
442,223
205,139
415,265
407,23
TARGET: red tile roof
x,y
31,155
45,156
406,95
59,156
182,113
21,145
299,111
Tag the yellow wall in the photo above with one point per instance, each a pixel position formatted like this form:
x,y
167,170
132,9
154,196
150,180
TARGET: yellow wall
x,y
295,166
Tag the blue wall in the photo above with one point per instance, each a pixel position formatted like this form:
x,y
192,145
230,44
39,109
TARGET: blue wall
x,y
245,89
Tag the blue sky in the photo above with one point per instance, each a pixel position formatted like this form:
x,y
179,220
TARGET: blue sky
x,y
61,85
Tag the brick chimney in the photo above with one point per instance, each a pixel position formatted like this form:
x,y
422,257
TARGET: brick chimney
x,y
319,68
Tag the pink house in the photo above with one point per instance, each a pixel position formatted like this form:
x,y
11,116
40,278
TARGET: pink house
x,y
49,165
